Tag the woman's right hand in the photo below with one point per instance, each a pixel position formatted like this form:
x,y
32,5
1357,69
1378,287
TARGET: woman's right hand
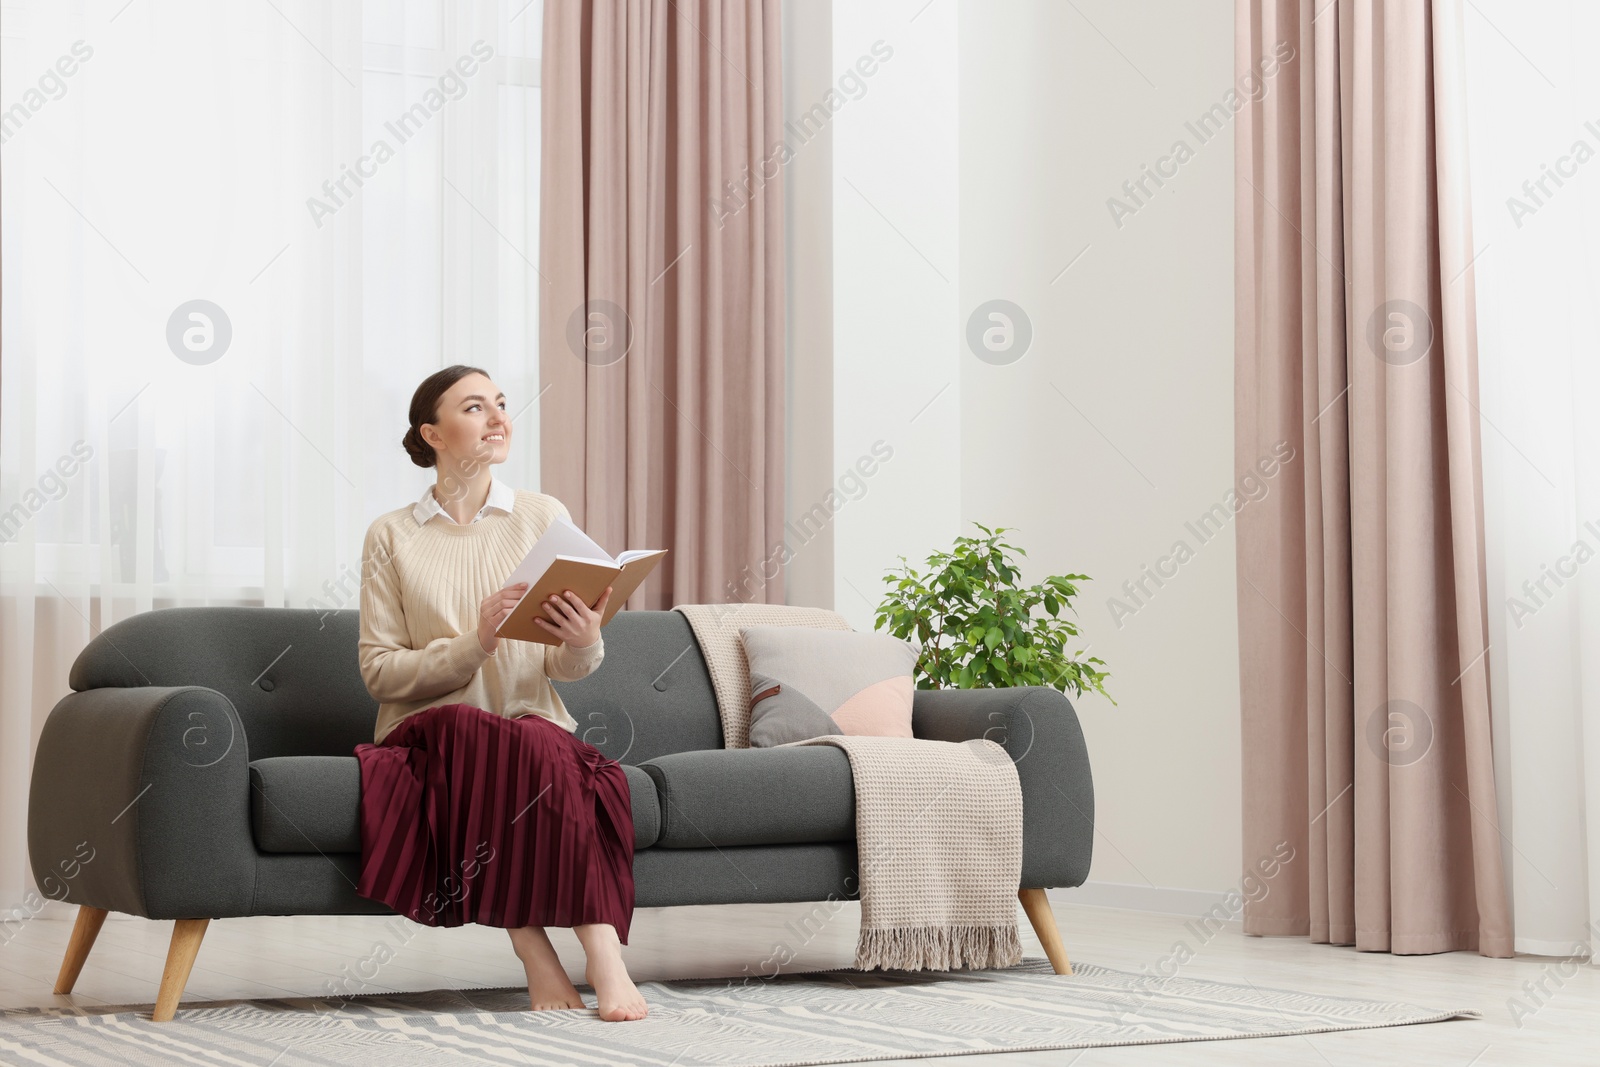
x,y
493,611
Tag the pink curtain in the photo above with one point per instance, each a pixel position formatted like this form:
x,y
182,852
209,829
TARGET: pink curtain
x,y
662,290
1362,603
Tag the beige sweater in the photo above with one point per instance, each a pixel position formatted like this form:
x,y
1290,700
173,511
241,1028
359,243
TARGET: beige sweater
x,y
420,591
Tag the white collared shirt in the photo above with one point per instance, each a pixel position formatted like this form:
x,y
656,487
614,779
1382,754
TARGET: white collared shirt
x,y
501,496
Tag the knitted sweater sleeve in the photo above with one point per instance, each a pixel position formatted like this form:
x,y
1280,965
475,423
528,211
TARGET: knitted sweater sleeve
x,y
391,668
564,663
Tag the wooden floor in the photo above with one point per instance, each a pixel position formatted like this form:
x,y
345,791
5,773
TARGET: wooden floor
x,y
297,956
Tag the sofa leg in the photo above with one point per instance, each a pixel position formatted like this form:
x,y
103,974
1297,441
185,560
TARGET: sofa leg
x,y
1037,905
84,931
185,946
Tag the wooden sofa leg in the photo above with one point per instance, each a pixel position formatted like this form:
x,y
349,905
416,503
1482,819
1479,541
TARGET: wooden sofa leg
x,y
186,936
84,931
1037,905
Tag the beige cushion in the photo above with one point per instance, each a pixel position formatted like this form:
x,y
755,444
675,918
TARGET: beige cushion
x,y
807,682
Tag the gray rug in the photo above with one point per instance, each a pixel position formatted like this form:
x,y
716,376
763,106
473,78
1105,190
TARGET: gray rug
x,y
838,1016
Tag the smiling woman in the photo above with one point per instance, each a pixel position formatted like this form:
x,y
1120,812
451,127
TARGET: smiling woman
x,y
476,780
453,416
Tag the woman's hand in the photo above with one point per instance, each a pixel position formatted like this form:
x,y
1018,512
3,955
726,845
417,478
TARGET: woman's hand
x,y
575,622
493,611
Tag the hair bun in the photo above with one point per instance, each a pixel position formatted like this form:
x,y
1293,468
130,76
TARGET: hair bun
x,y
420,451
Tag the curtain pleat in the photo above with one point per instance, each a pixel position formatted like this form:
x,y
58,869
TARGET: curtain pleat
x,y
1362,595
662,351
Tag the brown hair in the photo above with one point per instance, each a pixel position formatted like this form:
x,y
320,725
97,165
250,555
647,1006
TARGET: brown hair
x,y
425,408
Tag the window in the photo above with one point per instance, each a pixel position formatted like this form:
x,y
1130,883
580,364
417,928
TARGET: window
x,y
236,237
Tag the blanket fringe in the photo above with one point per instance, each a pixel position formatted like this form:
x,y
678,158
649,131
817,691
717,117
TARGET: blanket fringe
x,y
938,948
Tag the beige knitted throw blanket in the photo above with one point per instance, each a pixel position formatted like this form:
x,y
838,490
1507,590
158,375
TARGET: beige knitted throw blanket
x,y
938,823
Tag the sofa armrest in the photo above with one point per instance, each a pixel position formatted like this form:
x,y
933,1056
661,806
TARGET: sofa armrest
x,y
1039,731
140,803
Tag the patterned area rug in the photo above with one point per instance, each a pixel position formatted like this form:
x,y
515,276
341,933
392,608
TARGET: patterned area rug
x,y
838,1016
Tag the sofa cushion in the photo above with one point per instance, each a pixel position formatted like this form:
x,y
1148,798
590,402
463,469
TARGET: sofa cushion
x,y
313,804
651,695
727,797
646,807
808,682
306,803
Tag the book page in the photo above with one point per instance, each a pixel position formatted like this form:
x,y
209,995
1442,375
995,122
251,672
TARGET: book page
x,y
561,539
599,561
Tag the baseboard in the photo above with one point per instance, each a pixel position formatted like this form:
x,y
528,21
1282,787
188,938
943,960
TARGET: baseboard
x,y
1531,946
1158,900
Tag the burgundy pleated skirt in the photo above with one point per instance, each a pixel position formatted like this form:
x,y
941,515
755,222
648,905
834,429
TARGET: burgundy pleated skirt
x,y
468,816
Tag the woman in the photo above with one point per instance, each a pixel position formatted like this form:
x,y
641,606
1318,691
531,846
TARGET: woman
x,y
478,801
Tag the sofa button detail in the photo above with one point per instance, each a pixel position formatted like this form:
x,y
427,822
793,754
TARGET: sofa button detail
x,y
268,684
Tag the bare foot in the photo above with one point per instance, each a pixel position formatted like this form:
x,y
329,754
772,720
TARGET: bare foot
x,y
619,999
549,988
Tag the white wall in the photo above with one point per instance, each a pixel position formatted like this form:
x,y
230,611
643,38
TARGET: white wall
x,y
1115,428
808,224
896,365
976,166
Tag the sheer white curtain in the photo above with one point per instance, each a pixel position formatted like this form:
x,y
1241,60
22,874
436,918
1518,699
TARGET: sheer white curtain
x,y
235,237
1534,118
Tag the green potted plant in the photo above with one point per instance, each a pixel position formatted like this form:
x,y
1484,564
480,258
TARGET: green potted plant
x,y
978,629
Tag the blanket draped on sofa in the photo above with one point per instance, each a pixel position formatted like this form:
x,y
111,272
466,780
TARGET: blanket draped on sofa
x,y
938,823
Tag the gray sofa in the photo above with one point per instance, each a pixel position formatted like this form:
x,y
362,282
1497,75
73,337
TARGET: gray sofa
x,y
202,769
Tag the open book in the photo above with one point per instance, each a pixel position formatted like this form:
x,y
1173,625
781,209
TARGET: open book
x,y
567,558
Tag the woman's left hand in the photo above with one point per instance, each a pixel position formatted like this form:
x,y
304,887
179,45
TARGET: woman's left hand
x,y
575,622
